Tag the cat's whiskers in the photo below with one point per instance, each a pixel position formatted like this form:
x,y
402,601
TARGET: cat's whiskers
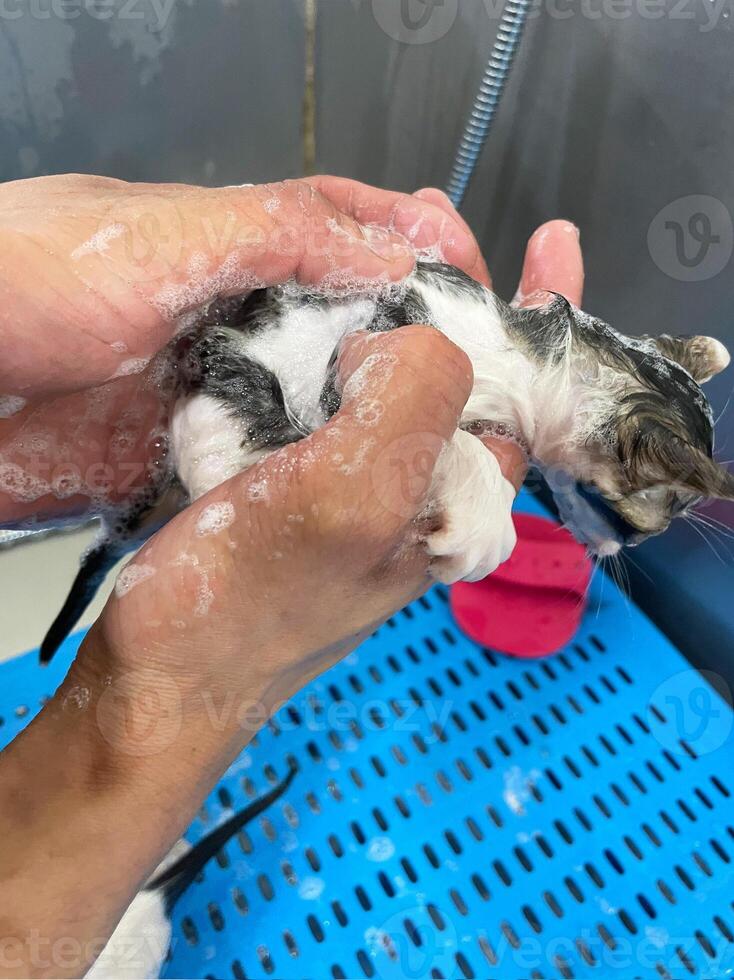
x,y
698,531
717,533
723,410
714,522
621,580
639,568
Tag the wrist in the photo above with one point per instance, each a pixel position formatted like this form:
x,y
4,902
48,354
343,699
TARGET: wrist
x,y
149,727
105,779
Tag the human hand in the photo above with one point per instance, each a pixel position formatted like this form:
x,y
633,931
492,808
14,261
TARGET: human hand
x,y
96,272
208,632
342,511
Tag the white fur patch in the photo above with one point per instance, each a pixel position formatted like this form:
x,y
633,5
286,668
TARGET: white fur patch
x,y
139,945
299,349
209,445
475,501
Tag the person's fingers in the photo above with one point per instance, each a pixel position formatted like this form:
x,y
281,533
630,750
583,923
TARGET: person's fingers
x,y
63,456
553,262
424,222
127,260
466,251
403,393
512,459
416,370
234,239
122,262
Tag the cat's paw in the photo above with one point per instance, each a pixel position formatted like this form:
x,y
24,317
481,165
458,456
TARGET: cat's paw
x,y
472,501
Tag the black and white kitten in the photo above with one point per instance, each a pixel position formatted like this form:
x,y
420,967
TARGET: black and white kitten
x,y
619,426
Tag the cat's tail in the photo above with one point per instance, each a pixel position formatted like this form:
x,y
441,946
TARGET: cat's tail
x,y
94,568
174,881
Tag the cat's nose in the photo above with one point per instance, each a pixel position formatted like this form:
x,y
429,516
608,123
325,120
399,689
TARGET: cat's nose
x,y
632,540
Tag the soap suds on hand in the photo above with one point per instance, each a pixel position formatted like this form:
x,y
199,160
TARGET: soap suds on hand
x,y
258,491
99,242
134,365
130,576
215,518
10,405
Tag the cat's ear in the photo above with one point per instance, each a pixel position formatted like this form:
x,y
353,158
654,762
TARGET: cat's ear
x,y
702,357
663,458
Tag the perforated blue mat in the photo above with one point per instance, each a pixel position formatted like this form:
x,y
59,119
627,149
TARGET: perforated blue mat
x,y
462,814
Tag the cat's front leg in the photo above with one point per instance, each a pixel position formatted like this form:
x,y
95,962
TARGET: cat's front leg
x,y
473,502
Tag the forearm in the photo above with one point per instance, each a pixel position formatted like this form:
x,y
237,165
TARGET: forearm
x,y
94,793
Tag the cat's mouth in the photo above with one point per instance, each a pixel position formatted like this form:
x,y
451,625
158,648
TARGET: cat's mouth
x,y
593,521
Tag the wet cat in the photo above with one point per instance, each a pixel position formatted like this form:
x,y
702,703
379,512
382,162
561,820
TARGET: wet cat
x,y
619,426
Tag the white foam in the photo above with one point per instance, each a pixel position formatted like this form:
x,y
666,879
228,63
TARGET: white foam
x,y
78,698
130,576
119,347
378,365
20,485
99,242
66,485
380,849
10,405
258,491
369,412
311,888
204,594
358,460
134,365
516,792
271,205
339,282
201,286
215,518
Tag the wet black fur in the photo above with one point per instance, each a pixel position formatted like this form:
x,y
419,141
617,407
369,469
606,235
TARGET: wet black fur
x,y
96,565
209,364
176,879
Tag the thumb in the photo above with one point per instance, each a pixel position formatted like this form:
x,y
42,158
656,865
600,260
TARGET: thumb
x,y
403,393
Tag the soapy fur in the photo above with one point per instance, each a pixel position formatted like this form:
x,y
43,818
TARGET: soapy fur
x,y
619,426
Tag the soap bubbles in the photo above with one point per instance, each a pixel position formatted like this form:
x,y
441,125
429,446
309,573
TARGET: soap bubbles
x,y
215,518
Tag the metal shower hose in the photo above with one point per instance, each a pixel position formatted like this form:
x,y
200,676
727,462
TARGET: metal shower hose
x,y
490,92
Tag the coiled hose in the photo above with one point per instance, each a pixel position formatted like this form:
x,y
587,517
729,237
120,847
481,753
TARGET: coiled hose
x,y
488,98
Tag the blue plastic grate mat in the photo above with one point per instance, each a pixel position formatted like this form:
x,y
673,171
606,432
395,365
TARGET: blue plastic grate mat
x,y
461,814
